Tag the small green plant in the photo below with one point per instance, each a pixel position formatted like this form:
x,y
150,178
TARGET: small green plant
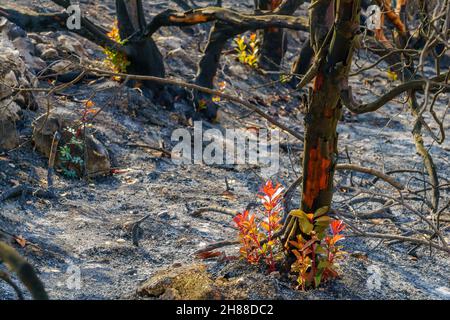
x,y
208,102
69,152
66,155
247,50
285,78
115,59
317,253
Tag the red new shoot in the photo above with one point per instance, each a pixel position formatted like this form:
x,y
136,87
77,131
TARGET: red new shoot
x,y
256,231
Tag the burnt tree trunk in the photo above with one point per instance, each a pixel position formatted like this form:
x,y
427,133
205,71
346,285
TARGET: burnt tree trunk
x,y
143,54
302,63
208,66
321,139
219,35
274,45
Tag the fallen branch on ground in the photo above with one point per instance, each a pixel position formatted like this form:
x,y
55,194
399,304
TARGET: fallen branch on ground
x,y
373,172
166,152
401,238
23,270
51,161
23,189
187,85
226,211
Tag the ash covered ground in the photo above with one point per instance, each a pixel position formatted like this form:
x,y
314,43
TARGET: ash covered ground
x,y
87,226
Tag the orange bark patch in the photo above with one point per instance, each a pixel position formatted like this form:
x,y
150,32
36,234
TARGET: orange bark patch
x,y
317,176
328,112
392,16
318,82
193,18
274,4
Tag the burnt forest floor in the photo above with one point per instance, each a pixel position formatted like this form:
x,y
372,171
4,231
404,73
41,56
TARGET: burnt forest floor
x,y
86,226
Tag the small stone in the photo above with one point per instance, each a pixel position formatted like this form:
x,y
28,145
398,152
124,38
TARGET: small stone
x,y
131,272
164,215
71,44
275,274
10,113
121,241
49,54
170,294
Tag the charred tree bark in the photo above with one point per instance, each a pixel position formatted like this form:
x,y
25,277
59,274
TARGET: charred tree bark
x,y
143,54
219,35
302,63
227,24
320,146
34,22
273,46
208,65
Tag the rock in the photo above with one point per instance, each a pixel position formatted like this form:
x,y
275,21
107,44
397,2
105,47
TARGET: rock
x,y
9,114
36,38
49,54
189,282
16,59
97,157
195,282
16,62
27,53
41,47
71,44
170,42
275,274
171,294
63,66
164,215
